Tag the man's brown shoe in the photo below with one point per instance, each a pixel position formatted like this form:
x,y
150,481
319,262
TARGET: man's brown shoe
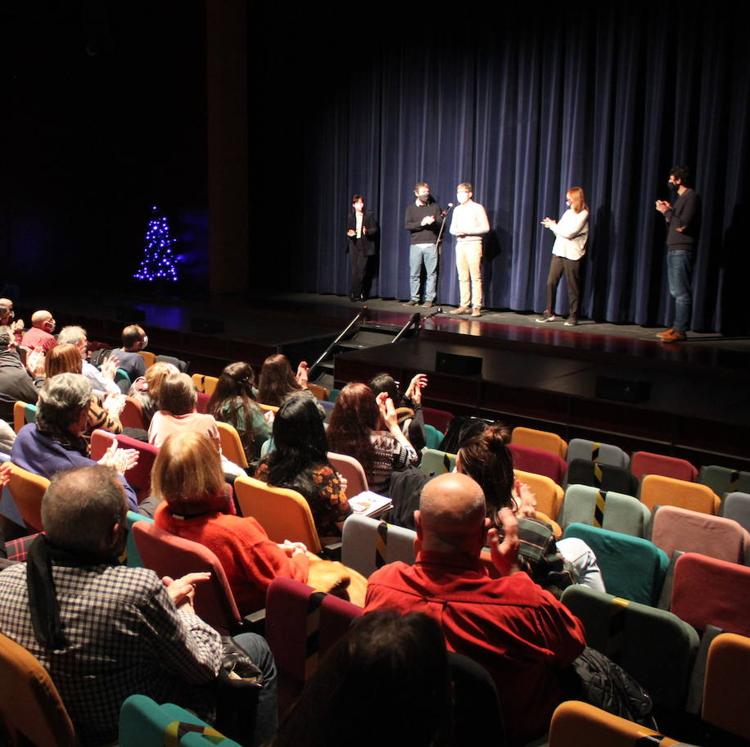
x,y
460,310
476,311
676,336
666,333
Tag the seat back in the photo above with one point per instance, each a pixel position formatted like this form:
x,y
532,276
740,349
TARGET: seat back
x,y
368,544
170,555
138,477
632,567
577,724
706,591
439,419
604,476
30,704
318,391
149,358
657,490
132,414
646,463
737,507
432,436
301,625
549,495
204,383
545,440
28,490
676,528
231,444
594,451
133,557
351,470
724,480
538,461
652,645
436,462
146,723
617,512
725,690
283,513
23,413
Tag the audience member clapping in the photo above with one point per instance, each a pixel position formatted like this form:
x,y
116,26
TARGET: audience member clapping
x,y
145,389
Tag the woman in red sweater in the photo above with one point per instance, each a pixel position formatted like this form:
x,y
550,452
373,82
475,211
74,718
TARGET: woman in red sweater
x,y
187,475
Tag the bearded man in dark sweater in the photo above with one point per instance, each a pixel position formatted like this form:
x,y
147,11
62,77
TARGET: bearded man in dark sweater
x,y
422,220
682,231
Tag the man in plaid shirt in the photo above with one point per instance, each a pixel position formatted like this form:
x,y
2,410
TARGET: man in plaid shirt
x,y
105,631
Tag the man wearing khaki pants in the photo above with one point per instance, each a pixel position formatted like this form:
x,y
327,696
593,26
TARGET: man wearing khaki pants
x,y
468,225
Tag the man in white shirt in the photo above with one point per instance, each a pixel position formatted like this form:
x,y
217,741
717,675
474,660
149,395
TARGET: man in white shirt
x,y
468,224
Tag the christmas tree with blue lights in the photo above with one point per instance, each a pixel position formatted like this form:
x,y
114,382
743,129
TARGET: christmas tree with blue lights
x,y
159,261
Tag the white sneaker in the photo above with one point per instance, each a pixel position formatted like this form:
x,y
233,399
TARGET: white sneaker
x,y
544,318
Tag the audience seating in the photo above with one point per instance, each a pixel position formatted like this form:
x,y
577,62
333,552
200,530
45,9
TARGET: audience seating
x,y
652,645
676,528
549,495
138,477
538,461
544,440
432,436
577,724
133,557
594,451
283,513
706,591
204,383
268,408
436,462
439,419
351,470
132,414
31,709
617,512
318,391
737,506
149,358
657,490
23,413
644,463
145,723
725,704
632,567
724,480
301,625
368,544
231,445
170,555
122,379
27,490
604,476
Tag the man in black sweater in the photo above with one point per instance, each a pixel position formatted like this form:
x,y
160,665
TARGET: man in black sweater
x,y
682,224
422,220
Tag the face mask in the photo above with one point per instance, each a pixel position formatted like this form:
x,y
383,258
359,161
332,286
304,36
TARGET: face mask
x,y
462,197
424,199
673,187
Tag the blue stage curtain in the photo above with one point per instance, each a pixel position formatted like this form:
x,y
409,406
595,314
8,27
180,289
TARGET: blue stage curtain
x,y
608,99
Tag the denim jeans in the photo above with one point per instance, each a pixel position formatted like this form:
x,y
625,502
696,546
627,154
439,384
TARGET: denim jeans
x,y
419,253
582,557
680,275
266,718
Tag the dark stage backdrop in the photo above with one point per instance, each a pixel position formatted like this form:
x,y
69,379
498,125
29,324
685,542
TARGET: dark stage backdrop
x,y
524,106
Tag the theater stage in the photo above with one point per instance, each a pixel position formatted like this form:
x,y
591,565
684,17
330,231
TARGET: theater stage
x,y
607,382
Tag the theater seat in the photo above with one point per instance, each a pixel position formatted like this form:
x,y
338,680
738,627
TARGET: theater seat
x,y
538,461
605,509
644,463
368,544
545,440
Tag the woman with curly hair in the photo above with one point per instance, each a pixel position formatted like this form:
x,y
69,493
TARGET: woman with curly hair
x,y
300,462
277,380
233,401
366,428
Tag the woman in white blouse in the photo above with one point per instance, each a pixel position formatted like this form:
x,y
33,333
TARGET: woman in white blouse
x,y
572,231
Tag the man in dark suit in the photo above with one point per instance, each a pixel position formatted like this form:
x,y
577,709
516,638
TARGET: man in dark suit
x,y
362,233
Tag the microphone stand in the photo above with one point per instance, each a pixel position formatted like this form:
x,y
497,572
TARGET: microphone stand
x,y
439,248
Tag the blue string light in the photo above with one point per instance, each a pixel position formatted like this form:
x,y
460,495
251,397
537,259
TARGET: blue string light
x,y
159,261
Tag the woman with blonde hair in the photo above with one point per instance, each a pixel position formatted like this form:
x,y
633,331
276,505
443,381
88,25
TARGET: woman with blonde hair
x,y
145,389
187,475
66,358
572,232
